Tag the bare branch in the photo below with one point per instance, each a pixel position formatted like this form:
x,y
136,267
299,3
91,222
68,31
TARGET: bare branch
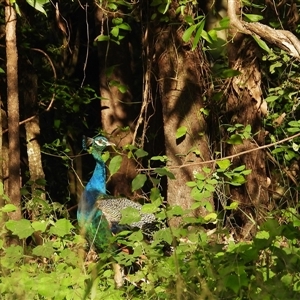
x,y
283,39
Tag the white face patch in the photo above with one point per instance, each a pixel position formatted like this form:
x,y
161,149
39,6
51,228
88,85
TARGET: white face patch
x,y
101,143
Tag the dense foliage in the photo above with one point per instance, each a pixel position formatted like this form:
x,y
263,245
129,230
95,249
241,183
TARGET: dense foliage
x,y
210,259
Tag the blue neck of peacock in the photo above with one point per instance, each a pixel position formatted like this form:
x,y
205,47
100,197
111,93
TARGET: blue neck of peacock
x,y
95,187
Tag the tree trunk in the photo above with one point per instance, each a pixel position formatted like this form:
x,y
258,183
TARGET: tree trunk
x,y
13,110
32,129
180,75
117,108
245,106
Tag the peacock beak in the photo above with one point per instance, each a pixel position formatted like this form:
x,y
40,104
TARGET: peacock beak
x,y
110,144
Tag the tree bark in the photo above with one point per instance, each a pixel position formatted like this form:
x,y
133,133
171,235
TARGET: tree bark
x,y
32,129
117,108
246,106
180,75
13,110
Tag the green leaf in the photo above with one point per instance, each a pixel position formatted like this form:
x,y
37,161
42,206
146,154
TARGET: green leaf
x,y
225,23
206,36
8,208
187,34
223,164
140,153
238,180
45,250
175,211
240,168
198,34
163,235
149,208
191,183
117,21
39,225
130,215
12,255
263,235
211,217
125,26
189,19
136,236
235,139
1,71
294,123
112,6
155,194
181,131
22,228
261,43
115,164
164,172
162,158
233,205
38,5
138,182
254,18
122,88
228,73
293,130
115,31
271,98
102,38
61,228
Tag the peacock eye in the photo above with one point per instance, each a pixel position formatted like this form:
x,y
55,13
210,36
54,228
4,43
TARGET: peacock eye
x,y
99,143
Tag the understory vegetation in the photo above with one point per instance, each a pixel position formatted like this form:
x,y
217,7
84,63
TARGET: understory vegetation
x,y
235,235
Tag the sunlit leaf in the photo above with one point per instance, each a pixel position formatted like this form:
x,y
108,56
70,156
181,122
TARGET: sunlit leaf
x,y
181,131
271,98
233,205
235,139
45,250
115,31
188,33
102,38
164,172
262,44
130,215
138,182
62,227
198,34
223,164
8,208
211,217
115,164
39,225
38,5
254,18
140,153
22,228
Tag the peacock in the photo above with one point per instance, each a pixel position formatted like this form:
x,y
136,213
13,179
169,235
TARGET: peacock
x,y
98,213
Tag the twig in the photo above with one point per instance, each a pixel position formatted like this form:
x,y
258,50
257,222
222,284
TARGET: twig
x,y
54,74
283,39
88,44
228,157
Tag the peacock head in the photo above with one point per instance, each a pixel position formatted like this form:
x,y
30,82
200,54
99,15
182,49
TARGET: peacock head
x,y
95,146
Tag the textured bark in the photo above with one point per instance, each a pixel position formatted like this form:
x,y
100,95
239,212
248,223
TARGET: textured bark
x,y
117,109
244,106
13,110
32,129
181,84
